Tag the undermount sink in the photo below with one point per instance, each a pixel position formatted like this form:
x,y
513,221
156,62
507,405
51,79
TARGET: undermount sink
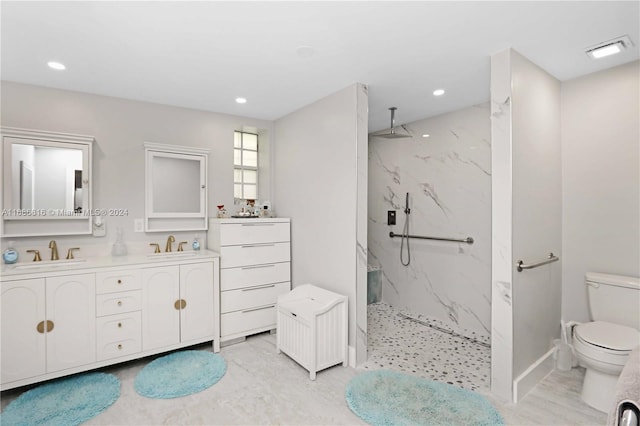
x,y
172,255
48,263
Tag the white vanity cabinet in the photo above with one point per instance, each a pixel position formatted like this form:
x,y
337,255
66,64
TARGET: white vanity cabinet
x,y
80,316
255,267
48,325
23,346
118,311
178,304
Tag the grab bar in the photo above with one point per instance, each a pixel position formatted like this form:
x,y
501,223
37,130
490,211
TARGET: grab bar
x,y
551,258
467,240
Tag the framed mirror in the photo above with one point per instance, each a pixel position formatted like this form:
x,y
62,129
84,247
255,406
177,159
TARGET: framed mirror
x,y
46,183
175,187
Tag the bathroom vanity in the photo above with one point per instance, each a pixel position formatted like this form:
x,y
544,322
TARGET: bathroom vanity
x,y
63,317
255,268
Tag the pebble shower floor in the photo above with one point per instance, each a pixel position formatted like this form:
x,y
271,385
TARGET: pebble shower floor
x,y
399,343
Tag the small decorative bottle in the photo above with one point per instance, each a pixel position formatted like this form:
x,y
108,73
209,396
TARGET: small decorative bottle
x,y
10,255
196,243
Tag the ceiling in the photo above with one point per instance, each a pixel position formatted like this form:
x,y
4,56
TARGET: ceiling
x,y
284,55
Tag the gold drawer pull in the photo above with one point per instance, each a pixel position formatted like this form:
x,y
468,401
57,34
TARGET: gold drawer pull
x,y
119,347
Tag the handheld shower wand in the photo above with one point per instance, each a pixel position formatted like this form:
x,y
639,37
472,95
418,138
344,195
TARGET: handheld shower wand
x,y
405,233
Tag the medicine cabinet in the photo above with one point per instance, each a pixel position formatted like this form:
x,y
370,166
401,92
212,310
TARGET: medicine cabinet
x,y
175,188
46,183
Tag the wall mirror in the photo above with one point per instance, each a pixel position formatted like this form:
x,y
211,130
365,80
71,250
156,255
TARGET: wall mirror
x,y
175,187
46,183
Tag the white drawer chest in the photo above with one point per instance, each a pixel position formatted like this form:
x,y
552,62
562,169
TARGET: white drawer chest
x,y
255,268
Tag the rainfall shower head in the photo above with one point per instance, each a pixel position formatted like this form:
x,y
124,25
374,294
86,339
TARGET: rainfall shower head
x,y
392,132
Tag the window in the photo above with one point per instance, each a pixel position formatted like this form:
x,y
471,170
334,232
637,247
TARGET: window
x,y
245,165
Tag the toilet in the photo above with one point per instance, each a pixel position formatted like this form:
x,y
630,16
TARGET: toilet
x,y
603,345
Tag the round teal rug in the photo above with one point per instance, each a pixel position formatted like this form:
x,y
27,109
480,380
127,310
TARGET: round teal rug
x,y
384,397
180,374
69,401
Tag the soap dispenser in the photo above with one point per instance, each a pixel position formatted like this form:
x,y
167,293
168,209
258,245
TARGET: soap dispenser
x,y
196,243
10,255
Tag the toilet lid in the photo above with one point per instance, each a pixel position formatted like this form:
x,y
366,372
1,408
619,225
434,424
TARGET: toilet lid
x,y
607,335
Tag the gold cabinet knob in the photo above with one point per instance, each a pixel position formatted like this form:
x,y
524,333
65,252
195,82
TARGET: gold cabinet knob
x,y
49,326
40,327
119,325
119,347
119,281
119,302
180,304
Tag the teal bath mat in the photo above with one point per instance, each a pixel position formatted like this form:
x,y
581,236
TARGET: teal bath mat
x,y
384,397
68,401
180,374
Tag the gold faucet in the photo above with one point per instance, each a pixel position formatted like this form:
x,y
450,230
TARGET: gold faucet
x,y
70,252
54,250
180,245
36,257
170,240
157,247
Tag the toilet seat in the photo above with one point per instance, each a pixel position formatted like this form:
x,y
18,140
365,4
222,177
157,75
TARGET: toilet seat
x,y
614,338
605,342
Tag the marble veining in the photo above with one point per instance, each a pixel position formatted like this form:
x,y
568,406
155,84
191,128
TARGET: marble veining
x,y
448,178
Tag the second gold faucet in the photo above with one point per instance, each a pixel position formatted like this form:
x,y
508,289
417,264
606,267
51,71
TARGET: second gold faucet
x,y
170,240
54,250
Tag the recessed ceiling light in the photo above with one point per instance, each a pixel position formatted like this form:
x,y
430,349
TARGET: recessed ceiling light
x,y
609,48
438,92
241,100
305,51
426,135
56,65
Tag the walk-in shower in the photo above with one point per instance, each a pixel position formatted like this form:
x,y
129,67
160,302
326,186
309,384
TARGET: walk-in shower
x,y
434,314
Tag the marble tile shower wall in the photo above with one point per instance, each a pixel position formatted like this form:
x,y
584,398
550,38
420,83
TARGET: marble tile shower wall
x,y
448,178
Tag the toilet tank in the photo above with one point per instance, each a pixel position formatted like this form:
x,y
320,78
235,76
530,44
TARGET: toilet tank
x,y
614,298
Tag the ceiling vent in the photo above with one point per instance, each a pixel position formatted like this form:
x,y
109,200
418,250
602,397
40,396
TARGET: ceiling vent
x,y
610,47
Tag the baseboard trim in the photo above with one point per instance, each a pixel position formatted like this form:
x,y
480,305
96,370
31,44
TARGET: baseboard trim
x,y
352,356
532,375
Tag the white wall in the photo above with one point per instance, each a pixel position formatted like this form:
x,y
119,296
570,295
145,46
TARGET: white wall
x,y
600,180
448,178
315,173
526,222
120,128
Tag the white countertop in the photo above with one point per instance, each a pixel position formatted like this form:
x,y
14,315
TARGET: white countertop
x,y
81,265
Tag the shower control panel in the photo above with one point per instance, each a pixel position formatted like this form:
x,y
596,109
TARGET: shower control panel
x,y
391,217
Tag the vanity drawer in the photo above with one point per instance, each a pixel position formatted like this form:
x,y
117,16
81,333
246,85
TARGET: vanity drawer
x,y
113,282
245,298
232,234
253,275
116,303
117,327
118,348
248,321
254,254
